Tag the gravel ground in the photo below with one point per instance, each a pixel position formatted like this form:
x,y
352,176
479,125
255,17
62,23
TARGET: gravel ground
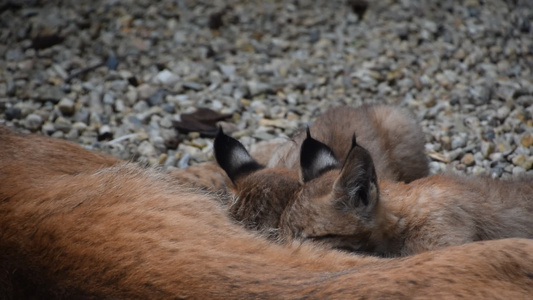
x,y
115,75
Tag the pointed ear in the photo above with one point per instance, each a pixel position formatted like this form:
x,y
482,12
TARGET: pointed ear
x,y
232,157
356,188
315,158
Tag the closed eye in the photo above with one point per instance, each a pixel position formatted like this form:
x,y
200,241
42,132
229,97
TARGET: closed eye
x,y
336,241
323,237
344,243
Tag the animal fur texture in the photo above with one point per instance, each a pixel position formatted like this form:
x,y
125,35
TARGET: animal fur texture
x,y
389,133
80,225
395,140
347,208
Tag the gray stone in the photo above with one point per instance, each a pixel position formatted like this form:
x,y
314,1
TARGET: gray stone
x,y
47,93
48,128
257,88
228,70
227,89
72,135
145,115
454,154
12,113
481,94
503,112
496,172
144,91
184,161
62,124
146,149
159,143
58,135
167,78
14,54
518,170
33,121
108,99
458,142
80,126
486,148
95,102
141,106
478,171
436,167
193,86
66,106
120,106
82,115
11,87
157,98
166,122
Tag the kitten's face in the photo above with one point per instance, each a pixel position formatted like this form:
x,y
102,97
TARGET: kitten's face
x,y
319,213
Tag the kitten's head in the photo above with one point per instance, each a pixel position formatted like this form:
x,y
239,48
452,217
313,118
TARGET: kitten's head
x,y
327,202
261,194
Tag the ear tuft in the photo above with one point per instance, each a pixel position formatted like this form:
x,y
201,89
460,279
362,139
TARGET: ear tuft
x,y
315,158
232,157
354,141
357,186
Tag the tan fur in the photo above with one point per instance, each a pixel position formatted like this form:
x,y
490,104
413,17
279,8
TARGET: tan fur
x,y
427,214
390,134
61,157
263,150
105,230
207,177
444,210
400,219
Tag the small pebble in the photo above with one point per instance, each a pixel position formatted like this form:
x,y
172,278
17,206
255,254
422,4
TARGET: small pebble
x,y
66,106
192,86
146,149
468,159
527,140
478,171
62,124
496,172
503,112
167,78
33,121
458,142
104,132
518,170
257,88
12,113
486,148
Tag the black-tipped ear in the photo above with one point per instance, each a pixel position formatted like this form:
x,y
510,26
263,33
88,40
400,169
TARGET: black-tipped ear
x,y
357,185
354,141
232,157
315,158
